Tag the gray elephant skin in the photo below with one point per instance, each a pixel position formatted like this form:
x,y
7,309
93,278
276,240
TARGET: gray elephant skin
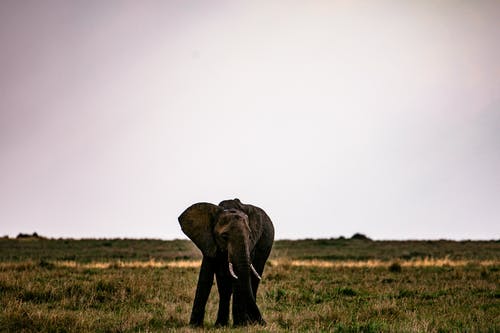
x,y
235,240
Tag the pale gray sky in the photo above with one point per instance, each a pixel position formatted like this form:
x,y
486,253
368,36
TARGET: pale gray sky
x,y
336,117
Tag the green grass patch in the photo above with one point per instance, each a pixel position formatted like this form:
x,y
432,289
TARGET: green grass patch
x,y
38,295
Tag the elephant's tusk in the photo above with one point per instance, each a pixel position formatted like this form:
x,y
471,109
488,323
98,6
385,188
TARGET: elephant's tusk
x,y
255,272
232,271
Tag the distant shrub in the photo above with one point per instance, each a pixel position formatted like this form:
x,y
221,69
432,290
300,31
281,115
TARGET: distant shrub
x,y
34,235
395,267
360,237
45,264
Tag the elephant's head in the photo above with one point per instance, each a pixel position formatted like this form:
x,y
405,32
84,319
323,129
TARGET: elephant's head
x,y
219,232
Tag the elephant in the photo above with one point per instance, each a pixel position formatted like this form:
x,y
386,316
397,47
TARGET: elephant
x,y
235,240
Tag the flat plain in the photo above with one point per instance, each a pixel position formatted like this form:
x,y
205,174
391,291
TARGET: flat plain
x,y
341,285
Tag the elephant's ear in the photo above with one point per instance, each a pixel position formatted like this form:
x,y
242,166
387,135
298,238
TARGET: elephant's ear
x,y
197,222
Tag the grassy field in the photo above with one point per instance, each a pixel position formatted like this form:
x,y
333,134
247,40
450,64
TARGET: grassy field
x,y
339,285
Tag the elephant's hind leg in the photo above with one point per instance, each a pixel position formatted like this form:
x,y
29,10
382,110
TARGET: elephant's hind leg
x,y
258,262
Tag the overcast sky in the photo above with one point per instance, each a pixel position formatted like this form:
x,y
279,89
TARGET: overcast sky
x,y
336,117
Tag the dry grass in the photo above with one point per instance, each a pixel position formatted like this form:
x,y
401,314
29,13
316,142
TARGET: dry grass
x,y
322,286
131,264
425,262
46,297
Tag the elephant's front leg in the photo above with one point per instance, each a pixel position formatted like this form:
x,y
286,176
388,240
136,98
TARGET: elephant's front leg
x,y
224,285
203,288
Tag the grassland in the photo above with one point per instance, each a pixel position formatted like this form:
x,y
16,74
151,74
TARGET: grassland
x,y
339,285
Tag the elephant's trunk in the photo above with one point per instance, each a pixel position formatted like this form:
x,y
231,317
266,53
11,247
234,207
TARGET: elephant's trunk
x,y
245,309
